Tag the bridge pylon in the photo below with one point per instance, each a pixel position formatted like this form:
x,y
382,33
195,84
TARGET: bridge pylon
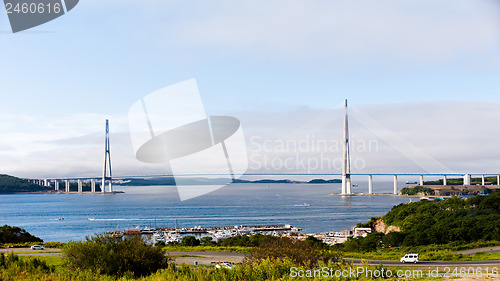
x,y
346,163
106,171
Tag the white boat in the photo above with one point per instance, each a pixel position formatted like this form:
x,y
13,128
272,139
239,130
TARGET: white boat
x,y
158,236
91,219
172,236
303,205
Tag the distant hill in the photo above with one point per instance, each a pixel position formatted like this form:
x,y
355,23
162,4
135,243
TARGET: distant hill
x,y
197,181
10,184
14,234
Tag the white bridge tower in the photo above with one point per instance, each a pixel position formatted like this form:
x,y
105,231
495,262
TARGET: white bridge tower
x,y
107,163
346,163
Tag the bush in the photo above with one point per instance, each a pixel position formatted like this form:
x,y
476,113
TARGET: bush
x,y
304,253
116,256
190,241
207,241
27,264
416,190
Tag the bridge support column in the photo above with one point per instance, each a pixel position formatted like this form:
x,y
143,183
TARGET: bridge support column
x,y
80,186
444,180
45,182
421,179
498,180
482,180
92,185
370,184
395,184
56,185
467,179
66,182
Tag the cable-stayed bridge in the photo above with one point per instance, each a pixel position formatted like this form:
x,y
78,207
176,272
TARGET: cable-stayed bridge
x,y
345,175
57,182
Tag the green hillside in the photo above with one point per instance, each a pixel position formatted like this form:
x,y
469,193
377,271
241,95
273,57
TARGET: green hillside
x,y
10,184
436,222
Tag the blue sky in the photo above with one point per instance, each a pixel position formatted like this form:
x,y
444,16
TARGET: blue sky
x,y
279,59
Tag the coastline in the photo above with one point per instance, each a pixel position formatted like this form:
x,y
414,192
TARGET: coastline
x,y
374,194
60,192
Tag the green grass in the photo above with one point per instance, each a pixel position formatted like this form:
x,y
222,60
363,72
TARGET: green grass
x,y
446,252
50,260
484,256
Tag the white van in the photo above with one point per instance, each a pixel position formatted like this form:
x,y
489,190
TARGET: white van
x,y
410,258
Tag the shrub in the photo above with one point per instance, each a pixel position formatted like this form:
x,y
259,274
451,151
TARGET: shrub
x,y
116,256
13,262
190,241
207,241
303,253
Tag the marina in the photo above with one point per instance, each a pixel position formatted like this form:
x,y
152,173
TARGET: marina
x,y
175,234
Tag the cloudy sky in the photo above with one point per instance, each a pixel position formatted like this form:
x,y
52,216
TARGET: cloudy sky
x,y
421,77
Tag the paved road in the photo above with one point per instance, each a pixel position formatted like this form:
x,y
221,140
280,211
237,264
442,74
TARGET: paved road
x,y
28,252
471,252
208,258
430,263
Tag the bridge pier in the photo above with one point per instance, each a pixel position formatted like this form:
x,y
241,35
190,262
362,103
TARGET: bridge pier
x,y
467,179
498,180
421,179
370,184
92,185
395,184
482,180
66,182
56,185
444,180
80,186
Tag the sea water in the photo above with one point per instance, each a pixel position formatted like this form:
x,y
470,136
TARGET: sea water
x,y
64,217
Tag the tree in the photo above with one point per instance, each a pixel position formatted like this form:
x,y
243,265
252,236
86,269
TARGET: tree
x,y
207,241
14,234
190,241
302,253
114,255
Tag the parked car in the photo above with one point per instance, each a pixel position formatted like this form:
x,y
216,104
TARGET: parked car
x,y
224,265
410,258
37,247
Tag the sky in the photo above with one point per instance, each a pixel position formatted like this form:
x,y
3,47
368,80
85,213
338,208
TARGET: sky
x,y
421,78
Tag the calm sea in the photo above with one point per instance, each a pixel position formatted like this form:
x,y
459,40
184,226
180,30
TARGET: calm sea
x,y
236,204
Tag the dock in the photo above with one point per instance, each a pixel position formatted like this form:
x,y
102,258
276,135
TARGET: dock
x,y
208,229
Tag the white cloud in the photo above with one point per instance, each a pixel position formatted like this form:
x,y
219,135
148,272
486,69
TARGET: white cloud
x,y
417,30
